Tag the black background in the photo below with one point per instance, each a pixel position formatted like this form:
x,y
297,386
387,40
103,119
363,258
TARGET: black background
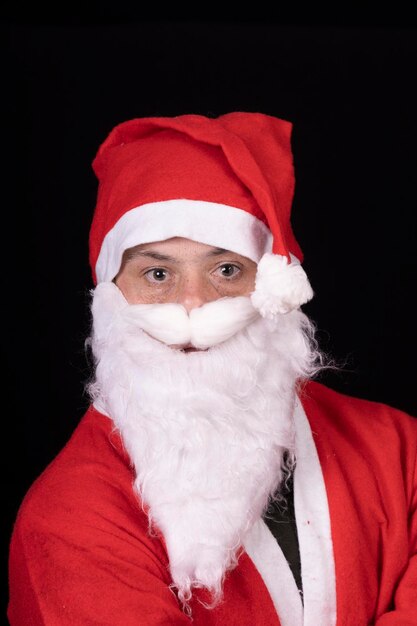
x,y
349,91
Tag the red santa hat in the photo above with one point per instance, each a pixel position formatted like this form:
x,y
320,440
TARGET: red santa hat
x,y
226,182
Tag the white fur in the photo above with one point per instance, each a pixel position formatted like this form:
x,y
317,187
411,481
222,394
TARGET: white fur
x,y
217,321
268,558
206,431
207,222
280,286
168,322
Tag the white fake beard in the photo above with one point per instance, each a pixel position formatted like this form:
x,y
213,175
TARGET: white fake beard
x,y
206,431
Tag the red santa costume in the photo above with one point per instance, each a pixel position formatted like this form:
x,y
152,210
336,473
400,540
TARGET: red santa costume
x,y
153,513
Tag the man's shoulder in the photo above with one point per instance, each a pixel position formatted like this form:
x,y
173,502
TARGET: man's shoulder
x,y
323,402
81,519
93,450
91,473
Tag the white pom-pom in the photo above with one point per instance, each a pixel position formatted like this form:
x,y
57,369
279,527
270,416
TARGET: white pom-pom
x,y
280,286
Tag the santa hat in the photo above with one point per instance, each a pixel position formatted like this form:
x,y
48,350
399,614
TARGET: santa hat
x,y
226,182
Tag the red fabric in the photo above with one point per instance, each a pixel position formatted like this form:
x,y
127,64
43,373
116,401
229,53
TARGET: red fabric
x,y
80,553
239,159
368,456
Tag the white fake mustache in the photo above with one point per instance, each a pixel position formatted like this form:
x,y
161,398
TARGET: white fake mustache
x,y
204,327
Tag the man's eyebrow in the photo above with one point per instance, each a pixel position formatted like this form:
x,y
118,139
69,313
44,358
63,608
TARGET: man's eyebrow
x,y
132,254
152,255
217,251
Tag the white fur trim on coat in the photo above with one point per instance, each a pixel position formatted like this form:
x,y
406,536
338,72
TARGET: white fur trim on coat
x,y
315,543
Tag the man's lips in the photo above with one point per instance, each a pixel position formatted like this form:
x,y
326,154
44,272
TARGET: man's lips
x,y
187,348
190,348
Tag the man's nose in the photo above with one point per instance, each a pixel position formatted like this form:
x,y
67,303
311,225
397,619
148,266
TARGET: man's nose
x,y
194,291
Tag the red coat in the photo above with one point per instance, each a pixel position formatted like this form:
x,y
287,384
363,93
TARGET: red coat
x,y
80,554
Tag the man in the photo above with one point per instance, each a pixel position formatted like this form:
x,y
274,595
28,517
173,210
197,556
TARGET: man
x,y
212,479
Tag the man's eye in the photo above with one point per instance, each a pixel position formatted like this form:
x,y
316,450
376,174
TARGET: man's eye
x,y
156,275
228,270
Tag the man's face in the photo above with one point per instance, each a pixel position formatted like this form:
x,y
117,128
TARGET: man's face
x,y
184,272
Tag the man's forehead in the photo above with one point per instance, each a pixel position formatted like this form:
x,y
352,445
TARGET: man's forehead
x,y
168,249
